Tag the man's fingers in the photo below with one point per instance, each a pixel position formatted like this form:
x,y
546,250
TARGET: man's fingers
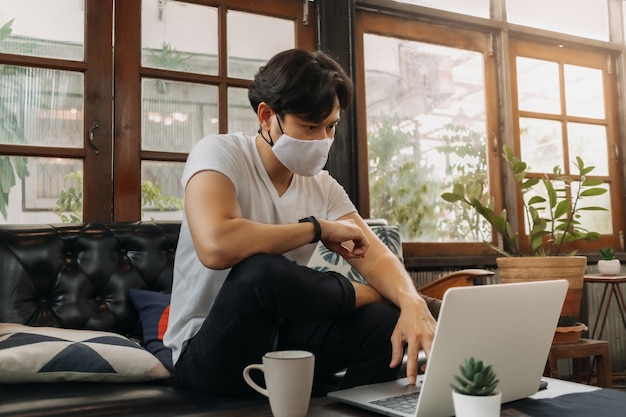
x,y
360,247
411,365
397,352
347,250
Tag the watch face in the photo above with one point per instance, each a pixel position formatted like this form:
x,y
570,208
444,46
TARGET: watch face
x,y
316,227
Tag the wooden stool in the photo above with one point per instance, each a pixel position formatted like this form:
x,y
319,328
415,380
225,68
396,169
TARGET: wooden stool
x,y
583,348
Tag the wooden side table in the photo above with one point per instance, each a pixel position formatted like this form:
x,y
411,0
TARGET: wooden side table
x,y
613,290
577,350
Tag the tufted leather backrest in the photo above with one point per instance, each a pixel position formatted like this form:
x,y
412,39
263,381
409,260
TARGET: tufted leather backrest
x,y
78,276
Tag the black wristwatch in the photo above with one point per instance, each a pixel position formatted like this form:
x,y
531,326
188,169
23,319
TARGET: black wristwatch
x,y
316,227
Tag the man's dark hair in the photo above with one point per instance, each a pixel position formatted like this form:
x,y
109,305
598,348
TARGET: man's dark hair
x,y
302,83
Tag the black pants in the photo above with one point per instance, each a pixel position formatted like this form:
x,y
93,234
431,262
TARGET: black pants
x,y
270,303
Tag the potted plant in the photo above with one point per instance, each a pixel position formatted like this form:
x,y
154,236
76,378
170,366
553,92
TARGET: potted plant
x,y
608,265
475,394
553,222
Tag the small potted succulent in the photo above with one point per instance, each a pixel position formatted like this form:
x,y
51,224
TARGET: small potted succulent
x,y
474,393
608,265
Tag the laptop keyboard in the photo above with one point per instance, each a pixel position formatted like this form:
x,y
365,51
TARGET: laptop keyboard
x,y
406,403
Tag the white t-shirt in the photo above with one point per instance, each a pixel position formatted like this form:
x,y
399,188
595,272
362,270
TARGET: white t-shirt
x,y
195,287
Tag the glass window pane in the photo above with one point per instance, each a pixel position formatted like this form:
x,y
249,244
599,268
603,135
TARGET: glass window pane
x,y
598,221
478,8
42,190
426,129
538,86
541,143
241,116
584,92
247,53
587,18
168,44
590,143
41,107
176,115
161,190
44,28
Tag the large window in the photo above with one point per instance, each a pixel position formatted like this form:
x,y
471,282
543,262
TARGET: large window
x,y
52,85
187,81
564,107
444,92
429,113
178,72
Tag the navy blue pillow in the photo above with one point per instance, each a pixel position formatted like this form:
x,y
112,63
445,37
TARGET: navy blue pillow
x,y
154,310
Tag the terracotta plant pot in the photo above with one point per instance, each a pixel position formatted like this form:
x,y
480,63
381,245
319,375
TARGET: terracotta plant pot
x,y
476,405
543,268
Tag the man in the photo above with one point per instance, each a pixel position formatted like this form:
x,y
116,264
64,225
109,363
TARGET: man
x,y
255,207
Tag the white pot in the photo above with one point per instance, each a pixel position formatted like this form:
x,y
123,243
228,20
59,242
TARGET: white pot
x,y
477,406
609,267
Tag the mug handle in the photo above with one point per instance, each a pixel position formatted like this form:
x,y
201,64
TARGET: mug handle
x,y
249,381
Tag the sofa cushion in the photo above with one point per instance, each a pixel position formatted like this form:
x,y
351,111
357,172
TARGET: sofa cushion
x,y
325,260
154,310
46,354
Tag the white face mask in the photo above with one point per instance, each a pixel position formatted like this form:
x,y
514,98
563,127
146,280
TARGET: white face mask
x,y
304,157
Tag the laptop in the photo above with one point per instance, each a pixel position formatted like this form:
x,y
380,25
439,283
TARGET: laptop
x,y
510,326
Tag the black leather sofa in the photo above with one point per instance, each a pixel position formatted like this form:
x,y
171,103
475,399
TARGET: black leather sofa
x,y
40,286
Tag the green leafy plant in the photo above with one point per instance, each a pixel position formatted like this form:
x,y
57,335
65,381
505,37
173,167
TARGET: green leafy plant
x,y
475,378
69,205
151,196
168,57
466,162
6,30
397,193
553,220
607,253
11,167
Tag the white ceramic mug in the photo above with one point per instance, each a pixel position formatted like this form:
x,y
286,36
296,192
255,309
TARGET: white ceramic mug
x,y
289,380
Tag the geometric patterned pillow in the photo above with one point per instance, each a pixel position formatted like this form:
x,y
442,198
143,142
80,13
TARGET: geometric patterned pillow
x,y
154,310
325,260
47,354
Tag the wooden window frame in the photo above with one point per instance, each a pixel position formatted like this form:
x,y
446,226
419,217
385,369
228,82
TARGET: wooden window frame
x,y
597,59
98,85
414,30
112,97
129,155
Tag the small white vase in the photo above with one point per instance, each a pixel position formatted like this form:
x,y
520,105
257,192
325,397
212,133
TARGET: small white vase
x,y
609,267
477,406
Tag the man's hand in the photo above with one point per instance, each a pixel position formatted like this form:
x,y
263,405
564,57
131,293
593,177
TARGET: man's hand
x,y
344,237
386,274
416,328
